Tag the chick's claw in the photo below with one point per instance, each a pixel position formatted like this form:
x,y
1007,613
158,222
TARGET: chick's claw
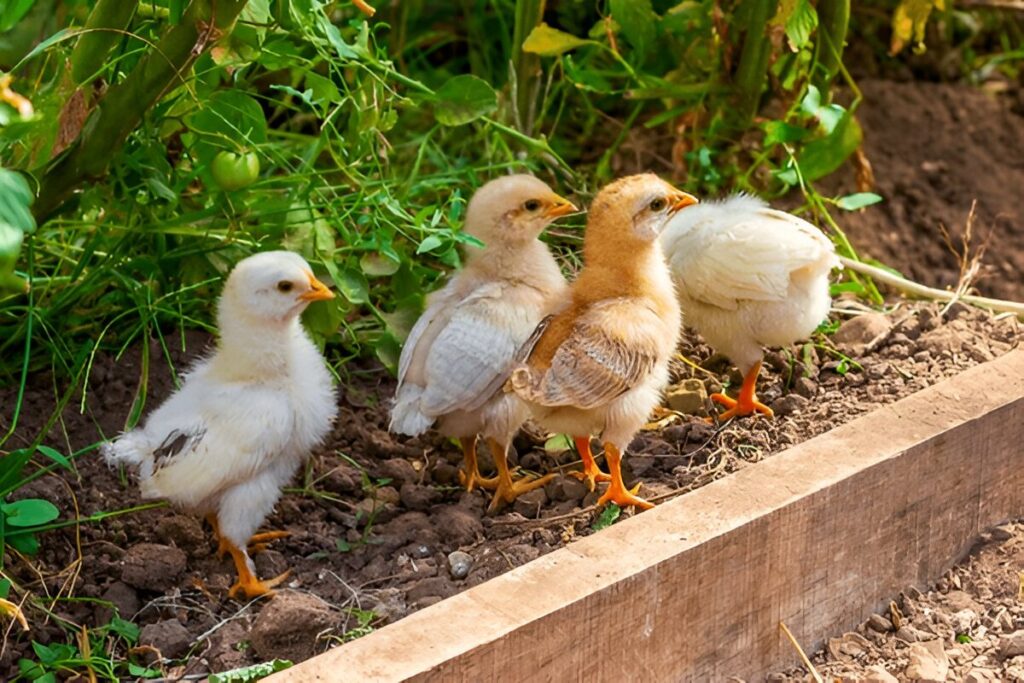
x,y
591,472
251,587
258,542
474,479
739,407
508,489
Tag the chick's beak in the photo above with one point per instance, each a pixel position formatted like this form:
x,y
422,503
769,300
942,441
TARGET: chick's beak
x,y
681,200
560,207
317,290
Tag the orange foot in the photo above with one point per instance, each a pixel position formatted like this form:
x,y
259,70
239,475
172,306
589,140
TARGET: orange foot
x,y
617,492
746,402
591,472
251,587
508,489
469,475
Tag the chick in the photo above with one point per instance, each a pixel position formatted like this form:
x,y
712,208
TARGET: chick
x,y
598,366
245,418
748,277
463,347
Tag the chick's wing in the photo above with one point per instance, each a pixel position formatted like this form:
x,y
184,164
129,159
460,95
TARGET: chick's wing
x,y
472,354
610,349
751,259
214,436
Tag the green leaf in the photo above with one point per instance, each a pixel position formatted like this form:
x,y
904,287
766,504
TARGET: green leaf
x,y
353,285
250,673
550,42
142,671
378,265
824,155
29,512
232,118
799,19
12,11
777,132
607,517
429,244
638,21
559,443
858,200
24,543
55,456
463,99
388,352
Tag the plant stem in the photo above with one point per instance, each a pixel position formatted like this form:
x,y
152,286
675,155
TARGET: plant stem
x,y
833,21
525,65
752,70
125,104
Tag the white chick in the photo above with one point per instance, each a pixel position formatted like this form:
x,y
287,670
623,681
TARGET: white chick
x,y
748,276
245,418
460,352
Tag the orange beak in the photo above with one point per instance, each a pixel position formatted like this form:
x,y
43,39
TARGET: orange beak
x,y
560,207
681,200
317,290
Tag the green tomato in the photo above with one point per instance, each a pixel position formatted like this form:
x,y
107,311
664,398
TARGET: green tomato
x,y
234,171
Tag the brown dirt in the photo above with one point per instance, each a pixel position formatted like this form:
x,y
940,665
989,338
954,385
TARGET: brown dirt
x,y
935,148
159,568
970,624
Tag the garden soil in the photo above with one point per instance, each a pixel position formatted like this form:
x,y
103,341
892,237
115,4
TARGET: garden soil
x,y
379,526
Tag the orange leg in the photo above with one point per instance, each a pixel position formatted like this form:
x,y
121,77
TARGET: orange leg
x,y
257,544
617,492
507,489
746,403
247,584
469,475
591,472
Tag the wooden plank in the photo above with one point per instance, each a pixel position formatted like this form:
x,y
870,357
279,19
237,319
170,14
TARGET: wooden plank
x,y
818,536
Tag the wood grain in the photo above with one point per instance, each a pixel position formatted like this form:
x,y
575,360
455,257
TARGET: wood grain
x,y
818,536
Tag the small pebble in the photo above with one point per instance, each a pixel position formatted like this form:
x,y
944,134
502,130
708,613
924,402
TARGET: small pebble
x,y
459,564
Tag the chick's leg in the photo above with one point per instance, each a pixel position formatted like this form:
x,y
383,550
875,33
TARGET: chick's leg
x,y
746,403
591,472
469,475
508,489
617,492
222,543
247,584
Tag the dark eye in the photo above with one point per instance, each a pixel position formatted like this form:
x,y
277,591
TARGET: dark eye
x,y
284,286
657,204
532,204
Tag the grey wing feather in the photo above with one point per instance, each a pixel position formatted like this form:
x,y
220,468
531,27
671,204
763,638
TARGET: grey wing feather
x,y
177,443
468,362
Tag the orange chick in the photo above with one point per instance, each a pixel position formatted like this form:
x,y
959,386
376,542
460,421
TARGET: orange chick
x,y
600,364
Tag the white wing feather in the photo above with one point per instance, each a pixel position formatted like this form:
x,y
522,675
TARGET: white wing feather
x,y
731,256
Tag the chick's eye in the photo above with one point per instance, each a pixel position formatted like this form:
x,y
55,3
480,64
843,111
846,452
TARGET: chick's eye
x,y
657,204
532,204
284,286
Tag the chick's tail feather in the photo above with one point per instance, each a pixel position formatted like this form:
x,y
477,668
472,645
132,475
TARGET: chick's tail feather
x,y
406,416
129,449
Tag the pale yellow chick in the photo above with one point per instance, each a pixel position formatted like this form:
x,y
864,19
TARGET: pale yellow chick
x,y
461,350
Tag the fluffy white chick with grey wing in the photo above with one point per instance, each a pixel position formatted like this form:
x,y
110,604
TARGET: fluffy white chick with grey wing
x,y
748,277
460,351
245,418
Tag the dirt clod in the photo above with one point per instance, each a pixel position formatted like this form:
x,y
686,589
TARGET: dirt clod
x,y
153,567
927,662
289,625
168,636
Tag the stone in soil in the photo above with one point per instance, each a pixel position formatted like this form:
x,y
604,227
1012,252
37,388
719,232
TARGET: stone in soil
x,y
927,663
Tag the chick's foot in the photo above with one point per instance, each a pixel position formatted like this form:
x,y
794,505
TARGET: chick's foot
x,y
617,492
591,472
258,542
746,402
507,488
469,475
247,584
